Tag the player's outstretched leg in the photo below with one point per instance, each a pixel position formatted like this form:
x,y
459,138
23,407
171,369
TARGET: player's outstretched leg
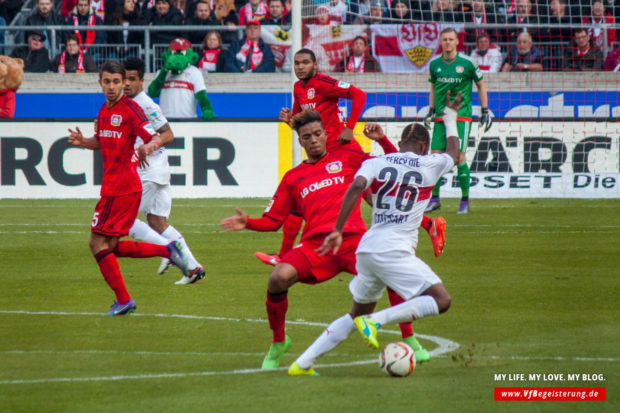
x,y
436,228
276,305
290,229
177,257
437,233
368,330
295,370
332,336
195,271
141,230
272,258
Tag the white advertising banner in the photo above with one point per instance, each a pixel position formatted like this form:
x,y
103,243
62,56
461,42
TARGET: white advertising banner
x,y
541,159
206,160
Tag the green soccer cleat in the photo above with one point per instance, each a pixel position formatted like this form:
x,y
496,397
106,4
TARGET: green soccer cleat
x,y
368,330
275,353
295,370
421,354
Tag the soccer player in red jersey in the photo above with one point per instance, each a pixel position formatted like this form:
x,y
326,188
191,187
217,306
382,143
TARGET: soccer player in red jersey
x,y
317,91
314,188
119,122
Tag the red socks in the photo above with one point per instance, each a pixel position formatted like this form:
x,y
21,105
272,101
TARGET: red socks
x,y
277,304
108,265
426,223
135,249
292,225
405,328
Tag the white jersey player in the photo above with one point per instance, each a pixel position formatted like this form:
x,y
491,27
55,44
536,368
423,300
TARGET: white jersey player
x,y
155,176
401,185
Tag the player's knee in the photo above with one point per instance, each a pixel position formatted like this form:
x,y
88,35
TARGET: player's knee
x,y
282,277
443,302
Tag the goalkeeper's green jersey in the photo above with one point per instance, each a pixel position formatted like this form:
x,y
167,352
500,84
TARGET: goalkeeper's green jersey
x,y
456,76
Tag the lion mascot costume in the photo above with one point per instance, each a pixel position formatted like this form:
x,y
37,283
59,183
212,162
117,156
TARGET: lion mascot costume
x,y
179,84
11,76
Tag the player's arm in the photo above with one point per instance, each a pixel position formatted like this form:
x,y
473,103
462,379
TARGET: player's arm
x,y
358,98
243,221
375,132
334,240
76,138
485,116
165,134
449,119
279,208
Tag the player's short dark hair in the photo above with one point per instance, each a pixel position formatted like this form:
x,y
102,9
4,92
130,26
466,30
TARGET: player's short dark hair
x,y
307,51
415,132
305,117
448,30
281,2
112,66
135,63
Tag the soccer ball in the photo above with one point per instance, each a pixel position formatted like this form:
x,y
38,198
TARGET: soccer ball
x,y
397,359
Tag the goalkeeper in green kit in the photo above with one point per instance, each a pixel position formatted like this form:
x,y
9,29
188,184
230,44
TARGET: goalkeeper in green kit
x,y
454,72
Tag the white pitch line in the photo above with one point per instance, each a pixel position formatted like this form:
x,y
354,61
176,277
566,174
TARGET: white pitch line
x,y
444,346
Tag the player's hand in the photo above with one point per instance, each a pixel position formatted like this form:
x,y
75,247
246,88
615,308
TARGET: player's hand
x,y
428,119
486,119
332,241
75,137
457,103
346,136
373,131
143,152
285,115
236,222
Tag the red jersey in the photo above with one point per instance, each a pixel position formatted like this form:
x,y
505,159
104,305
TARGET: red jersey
x,y
321,93
117,129
316,190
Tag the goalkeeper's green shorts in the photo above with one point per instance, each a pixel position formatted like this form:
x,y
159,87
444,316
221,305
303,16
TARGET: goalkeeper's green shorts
x,y
438,142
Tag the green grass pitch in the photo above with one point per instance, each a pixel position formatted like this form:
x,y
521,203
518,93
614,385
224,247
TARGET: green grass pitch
x,y
534,285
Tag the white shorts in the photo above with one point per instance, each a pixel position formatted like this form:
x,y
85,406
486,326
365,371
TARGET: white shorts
x,y
156,199
402,271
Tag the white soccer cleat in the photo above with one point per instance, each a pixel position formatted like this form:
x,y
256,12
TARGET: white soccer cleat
x,y
163,267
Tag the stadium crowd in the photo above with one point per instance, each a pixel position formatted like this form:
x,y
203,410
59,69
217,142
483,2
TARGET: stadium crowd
x,y
501,35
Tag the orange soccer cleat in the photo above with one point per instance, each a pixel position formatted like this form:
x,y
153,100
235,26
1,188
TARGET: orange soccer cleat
x,y
438,234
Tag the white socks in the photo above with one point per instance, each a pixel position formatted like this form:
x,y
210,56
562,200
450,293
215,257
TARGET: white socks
x,y
333,335
414,309
140,230
172,234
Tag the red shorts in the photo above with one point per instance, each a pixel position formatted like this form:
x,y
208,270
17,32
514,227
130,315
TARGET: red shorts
x,y
312,268
115,215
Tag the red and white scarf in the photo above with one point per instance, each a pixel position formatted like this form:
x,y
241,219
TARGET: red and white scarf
x,y
80,63
351,68
481,23
247,13
257,55
90,34
209,60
